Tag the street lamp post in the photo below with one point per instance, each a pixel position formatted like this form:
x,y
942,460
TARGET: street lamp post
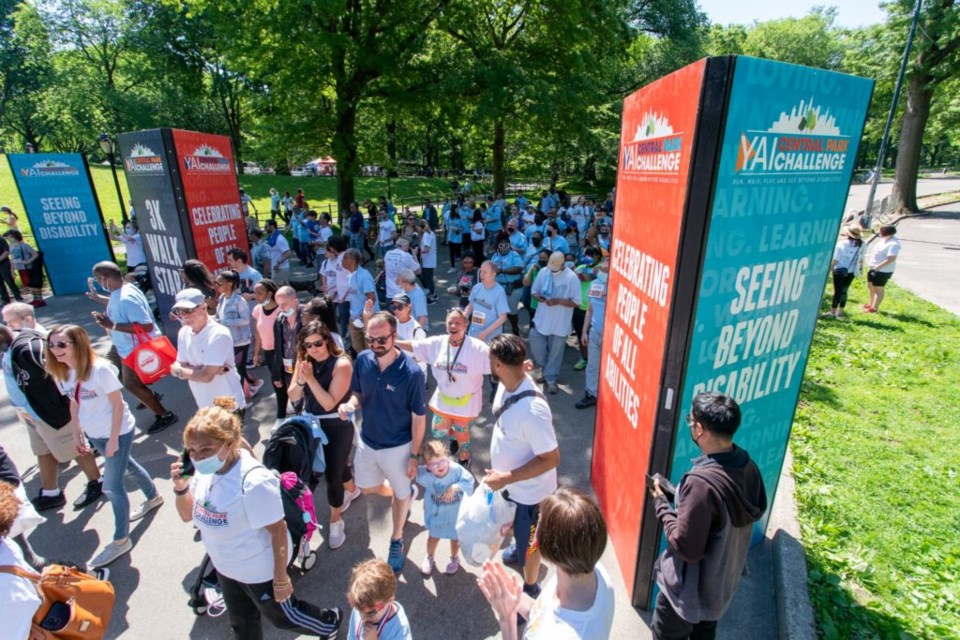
x,y
109,147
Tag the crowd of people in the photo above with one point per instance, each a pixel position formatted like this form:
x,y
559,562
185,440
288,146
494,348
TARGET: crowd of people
x,y
355,357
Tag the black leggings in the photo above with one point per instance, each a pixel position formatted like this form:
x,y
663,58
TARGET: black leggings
x,y
246,603
281,391
841,284
456,249
337,455
240,359
478,250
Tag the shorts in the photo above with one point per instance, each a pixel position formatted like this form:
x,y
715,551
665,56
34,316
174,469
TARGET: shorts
x,y
372,466
45,440
878,278
524,529
513,298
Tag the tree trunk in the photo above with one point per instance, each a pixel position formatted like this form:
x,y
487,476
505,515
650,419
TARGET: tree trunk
x,y
919,96
392,149
499,156
345,151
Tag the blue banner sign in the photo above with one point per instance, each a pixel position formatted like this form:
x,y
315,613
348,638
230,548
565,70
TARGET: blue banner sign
x,y
58,196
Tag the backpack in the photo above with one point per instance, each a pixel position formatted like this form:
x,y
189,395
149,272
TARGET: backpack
x,y
75,606
512,400
292,447
299,513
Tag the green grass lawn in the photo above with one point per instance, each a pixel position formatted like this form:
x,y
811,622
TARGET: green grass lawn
x,y
878,479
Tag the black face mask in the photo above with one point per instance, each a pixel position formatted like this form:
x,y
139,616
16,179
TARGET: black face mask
x,y
543,263
550,233
537,242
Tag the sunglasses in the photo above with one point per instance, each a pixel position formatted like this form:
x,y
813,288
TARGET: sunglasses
x,y
396,306
314,344
372,612
183,312
58,345
379,341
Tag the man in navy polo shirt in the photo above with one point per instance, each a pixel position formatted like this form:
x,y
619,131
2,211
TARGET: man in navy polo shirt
x,y
388,387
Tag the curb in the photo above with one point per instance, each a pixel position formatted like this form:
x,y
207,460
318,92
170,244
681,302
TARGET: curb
x,y
794,613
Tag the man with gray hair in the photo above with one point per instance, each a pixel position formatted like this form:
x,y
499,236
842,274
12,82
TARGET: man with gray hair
x,y
127,310
407,280
395,261
20,315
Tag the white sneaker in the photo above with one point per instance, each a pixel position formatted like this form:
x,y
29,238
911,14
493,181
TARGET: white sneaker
x,y
337,535
426,567
349,497
453,566
110,553
255,388
146,507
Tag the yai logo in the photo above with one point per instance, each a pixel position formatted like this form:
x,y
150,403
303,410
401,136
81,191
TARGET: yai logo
x,y
148,362
806,141
49,168
655,148
206,159
143,159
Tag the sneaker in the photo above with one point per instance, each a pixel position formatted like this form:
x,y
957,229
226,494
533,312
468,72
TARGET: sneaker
x,y
586,401
532,590
454,270
146,507
581,364
433,300
91,494
337,535
510,554
255,388
539,378
552,387
464,462
162,422
110,553
395,556
454,447
828,314
101,574
426,567
349,497
453,566
45,503
331,617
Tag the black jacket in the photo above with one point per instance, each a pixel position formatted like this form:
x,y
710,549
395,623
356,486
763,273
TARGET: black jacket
x,y
276,366
42,392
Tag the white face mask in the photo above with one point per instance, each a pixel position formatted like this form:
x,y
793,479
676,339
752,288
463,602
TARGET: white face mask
x,y
288,313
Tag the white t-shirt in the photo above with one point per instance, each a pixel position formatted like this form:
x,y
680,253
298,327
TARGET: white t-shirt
x,y
343,280
329,270
19,599
212,346
325,234
467,370
280,247
550,621
385,232
429,258
478,232
523,432
556,320
886,247
232,519
395,261
847,255
96,411
134,246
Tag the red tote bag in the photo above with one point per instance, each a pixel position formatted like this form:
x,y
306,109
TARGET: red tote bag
x,y
151,357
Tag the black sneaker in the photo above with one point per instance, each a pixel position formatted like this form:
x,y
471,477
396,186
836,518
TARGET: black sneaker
x,y
91,494
454,446
162,422
332,617
586,401
45,503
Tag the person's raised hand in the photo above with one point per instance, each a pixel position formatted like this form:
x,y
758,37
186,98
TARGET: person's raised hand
x,y
503,591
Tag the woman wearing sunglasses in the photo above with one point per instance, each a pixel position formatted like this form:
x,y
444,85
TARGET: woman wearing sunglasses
x,y
459,362
321,378
99,412
233,312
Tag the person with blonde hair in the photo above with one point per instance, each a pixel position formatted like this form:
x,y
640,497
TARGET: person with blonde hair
x,y
99,412
376,612
236,505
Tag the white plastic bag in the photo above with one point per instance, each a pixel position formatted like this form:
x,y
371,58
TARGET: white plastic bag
x,y
484,519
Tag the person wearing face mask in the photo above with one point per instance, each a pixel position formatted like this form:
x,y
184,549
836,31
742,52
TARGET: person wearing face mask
x,y
603,239
708,531
518,241
388,388
286,327
555,240
537,262
132,242
557,290
236,504
468,277
509,266
591,335
586,273
205,356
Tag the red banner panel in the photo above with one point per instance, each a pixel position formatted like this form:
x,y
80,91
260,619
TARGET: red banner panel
x,y
212,196
656,145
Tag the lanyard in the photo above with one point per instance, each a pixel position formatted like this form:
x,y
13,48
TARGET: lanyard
x,y
456,356
380,625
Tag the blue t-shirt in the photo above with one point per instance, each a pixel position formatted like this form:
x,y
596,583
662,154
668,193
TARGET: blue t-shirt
x,y
455,230
441,517
388,398
558,243
275,202
487,305
532,228
492,218
128,304
358,286
418,305
509,261
394,625
597,294
518,241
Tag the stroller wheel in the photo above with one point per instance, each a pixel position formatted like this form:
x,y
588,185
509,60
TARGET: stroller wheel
x,y
200,610
309,561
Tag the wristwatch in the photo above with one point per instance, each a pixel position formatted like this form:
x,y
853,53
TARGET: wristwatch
x,y
415,456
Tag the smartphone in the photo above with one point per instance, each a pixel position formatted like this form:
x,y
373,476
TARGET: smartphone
x,y
665,485
187,470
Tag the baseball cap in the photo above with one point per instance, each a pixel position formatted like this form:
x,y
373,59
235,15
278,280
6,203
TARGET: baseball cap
x,y
189,299
402,298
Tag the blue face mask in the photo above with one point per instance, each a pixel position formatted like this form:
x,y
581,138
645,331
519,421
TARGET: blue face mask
x,y
568,264
210,465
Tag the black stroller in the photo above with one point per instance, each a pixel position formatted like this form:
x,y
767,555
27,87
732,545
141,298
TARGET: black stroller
x,y
290,454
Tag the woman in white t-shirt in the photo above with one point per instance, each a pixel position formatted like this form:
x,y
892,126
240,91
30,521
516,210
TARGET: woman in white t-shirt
x,y
459,362
880,265
19,599
578,601
99,412
236,505
846,265
428,260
